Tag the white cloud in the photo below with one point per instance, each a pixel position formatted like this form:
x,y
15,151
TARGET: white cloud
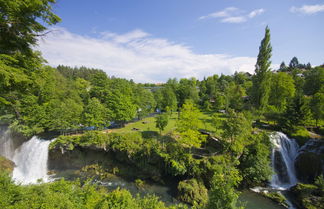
x,y
137,55
233,15
224,13
133,35
238,19
308,9
255,13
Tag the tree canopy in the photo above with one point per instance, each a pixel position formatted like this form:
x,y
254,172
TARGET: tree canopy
x,y
22,22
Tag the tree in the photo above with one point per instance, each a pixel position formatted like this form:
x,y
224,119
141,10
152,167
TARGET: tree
x,y
188,125
166,98
261,79
122,106
234,96
95,114
161,121
225,178
283,67
314,81
189,117
317,106
236,131
255,162
297,112
22,22
144,100
294,63
187,90
282,90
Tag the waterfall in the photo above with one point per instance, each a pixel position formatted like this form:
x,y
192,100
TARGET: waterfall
x,y
6,144
31,161
283,155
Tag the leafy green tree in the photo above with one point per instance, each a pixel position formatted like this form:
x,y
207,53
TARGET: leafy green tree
x,y
261,79
63,114
255,165
236,131
225,178
169,99
13,84
297,113
144,100
22,22
95,114
161,121
123,107
83,88
187,90
317,106
314,81
189,117
282,90
188,125
166,98
234,96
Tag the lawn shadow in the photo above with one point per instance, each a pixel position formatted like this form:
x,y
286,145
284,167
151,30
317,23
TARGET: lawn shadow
x,y
150,134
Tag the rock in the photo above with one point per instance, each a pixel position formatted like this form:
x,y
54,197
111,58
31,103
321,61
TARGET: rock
x,y
307,196
308,166
310,162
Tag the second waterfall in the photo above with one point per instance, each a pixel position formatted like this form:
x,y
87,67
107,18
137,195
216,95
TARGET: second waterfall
x,y
283,156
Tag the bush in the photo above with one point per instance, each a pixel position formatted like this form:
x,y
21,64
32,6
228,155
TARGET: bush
x,y
255,162
299,133
192,192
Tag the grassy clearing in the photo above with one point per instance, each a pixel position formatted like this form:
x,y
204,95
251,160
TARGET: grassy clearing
x,y
148,124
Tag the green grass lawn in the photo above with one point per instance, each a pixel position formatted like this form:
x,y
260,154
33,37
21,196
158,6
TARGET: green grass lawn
x,y
148,124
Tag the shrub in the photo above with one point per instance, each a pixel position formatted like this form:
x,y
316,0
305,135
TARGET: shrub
x,y
192,192
300,133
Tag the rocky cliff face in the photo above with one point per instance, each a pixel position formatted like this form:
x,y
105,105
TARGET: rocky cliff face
x,y
61,159
310,162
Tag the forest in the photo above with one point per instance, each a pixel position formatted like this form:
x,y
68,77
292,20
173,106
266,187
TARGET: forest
x,y
209,137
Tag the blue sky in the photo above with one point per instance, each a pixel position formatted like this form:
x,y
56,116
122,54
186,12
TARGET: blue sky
x,y
151,40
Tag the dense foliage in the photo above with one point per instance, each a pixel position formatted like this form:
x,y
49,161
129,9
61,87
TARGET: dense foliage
x,y
75,194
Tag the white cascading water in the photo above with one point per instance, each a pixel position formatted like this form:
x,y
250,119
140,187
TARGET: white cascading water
x,y
31,161
283,155
6,144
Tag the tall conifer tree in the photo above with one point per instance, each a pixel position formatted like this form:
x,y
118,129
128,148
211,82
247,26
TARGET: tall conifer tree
x,y
261,79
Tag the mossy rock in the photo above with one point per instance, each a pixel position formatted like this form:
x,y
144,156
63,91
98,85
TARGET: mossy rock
x,y
308,196
276,197
6,165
